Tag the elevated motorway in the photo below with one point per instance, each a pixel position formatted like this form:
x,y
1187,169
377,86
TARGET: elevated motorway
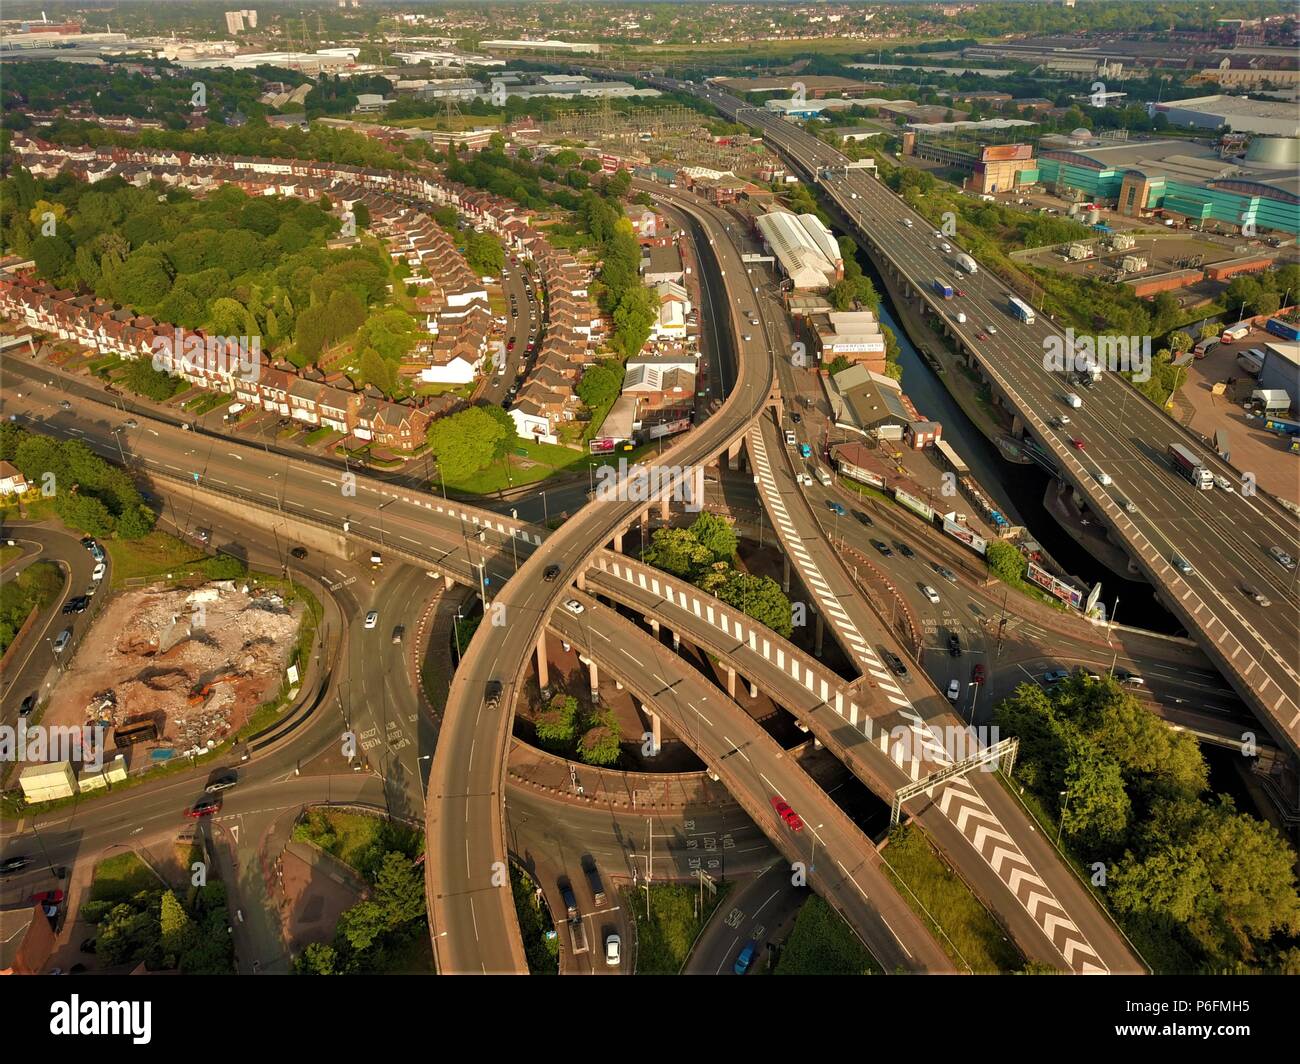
x,y
1225,536
471,911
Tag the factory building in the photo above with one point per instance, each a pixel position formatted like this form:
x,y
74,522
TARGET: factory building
x,y
804,248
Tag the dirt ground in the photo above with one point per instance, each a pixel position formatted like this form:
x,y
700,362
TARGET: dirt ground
x,y
198,662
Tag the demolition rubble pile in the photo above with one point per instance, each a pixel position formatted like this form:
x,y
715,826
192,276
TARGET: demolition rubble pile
x,y
195,662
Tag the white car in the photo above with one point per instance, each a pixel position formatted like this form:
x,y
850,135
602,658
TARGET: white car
x,y
99,571
990,329
1282,557
1223,483
938,235
954,690
945,245
930,593
1103,477
613,951
372,619
574,606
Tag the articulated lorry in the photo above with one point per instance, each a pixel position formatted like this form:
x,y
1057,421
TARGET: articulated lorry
x,y
943,288
966,262
1021,310
1191,468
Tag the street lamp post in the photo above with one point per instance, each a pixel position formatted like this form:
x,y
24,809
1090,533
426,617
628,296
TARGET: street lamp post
x,y
1059,830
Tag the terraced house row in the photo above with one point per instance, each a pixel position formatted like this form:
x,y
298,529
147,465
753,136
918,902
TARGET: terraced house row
x,y
454,303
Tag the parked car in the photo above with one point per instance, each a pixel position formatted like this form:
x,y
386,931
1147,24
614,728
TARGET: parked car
x,y
783,810
29,704
954,690
977,673
574,606
98,572
613,950
954,645
1054,676
62,640
77,604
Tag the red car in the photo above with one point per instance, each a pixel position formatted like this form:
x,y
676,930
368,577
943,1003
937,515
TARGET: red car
x,y
47,897
203,808
1077,443
787,814
982,336
977,674
510,346
959,292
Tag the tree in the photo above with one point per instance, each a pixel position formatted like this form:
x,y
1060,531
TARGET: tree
x,y
177,929
759,597
557,724
716,535
399,889
319,958
362,214
676,551
600,386
1005,561
1095,805
1180,342
391,332
465,442
53,256
600,740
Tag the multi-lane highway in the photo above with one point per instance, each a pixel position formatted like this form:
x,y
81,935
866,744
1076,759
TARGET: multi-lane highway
x,y
1226,536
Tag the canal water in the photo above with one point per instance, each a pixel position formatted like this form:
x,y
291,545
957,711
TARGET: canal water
x,y
1019,489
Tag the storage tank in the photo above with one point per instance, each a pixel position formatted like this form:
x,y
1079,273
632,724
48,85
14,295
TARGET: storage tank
x,y
1280,152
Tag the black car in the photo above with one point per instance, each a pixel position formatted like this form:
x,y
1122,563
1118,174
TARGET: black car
x,y
10,865
795,417
862,517
905,550
87,541
896,665
552,571
883,548
29,703
77,604
299,552
954,644
492,696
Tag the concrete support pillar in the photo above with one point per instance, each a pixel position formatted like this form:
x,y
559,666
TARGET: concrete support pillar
x,y
594,675
753,689
656,729
733,454
731,682
543,676
677,642
449,580
582,580
618,542
820,630
785,573
1017,428
618,685
665,508
654,627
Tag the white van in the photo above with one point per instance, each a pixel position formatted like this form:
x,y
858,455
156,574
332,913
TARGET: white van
x,y
1073,400
961,317
790,437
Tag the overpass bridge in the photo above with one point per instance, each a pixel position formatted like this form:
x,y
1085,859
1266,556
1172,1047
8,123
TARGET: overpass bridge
x,y
1224,535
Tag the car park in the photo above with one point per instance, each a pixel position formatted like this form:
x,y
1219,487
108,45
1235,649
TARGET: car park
x,y
574,606
372,619
792,819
